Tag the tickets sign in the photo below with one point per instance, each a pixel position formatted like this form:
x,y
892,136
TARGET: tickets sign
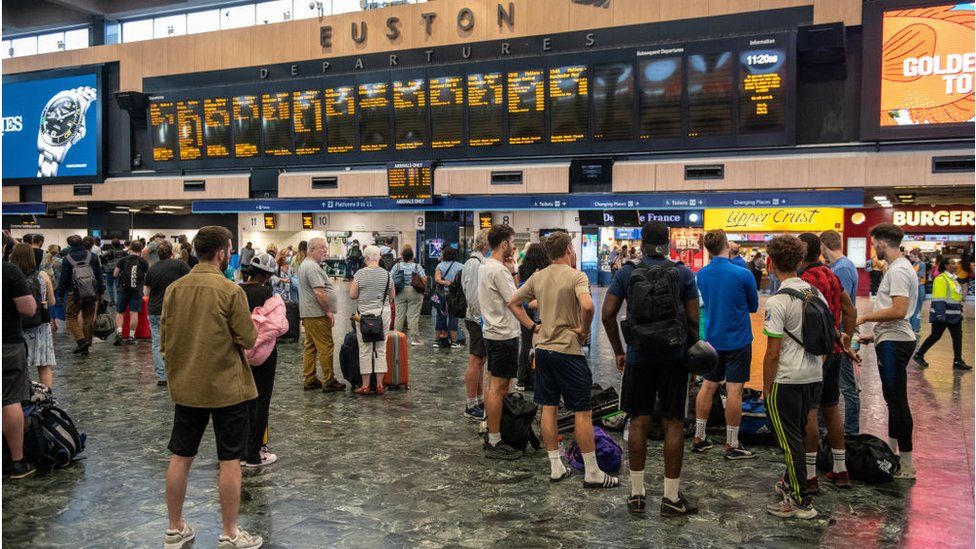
x,y
771,220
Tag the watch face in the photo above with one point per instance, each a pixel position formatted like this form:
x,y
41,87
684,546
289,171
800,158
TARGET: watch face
x,y
60,121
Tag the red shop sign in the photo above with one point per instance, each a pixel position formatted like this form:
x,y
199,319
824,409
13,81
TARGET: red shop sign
x,y
914,220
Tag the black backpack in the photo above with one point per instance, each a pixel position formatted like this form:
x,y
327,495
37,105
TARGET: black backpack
x,y
517,417
655,320
817,326
127,266
51,439
388,260
36,289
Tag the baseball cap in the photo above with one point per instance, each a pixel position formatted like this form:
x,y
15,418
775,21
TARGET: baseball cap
x,y
655,238
264,262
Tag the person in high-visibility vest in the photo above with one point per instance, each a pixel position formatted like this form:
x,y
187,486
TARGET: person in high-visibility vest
x,y
945,314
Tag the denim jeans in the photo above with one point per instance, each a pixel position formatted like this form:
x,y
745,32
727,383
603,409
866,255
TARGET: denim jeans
x,y
110,284
916,320
852,397
154,324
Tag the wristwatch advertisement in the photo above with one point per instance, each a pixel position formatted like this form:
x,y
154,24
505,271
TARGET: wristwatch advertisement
x,y
62,125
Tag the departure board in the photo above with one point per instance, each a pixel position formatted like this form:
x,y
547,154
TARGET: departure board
x,y
569,104
276,126
247,126
613,102
710,94
374,117
660,98
762,103
189,120
409,114
486,103
340,119
410,182
216,127
446,111
526,107
162,120
309,125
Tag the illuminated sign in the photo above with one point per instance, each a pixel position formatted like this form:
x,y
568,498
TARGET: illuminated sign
x,y
270,221
308,221
936,218
410,182
484,220
743,220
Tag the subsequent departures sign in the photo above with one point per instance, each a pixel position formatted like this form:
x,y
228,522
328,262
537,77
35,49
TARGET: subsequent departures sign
x,y
411,182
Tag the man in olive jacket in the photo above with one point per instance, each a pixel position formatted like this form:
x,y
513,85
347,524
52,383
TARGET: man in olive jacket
x,y
206,326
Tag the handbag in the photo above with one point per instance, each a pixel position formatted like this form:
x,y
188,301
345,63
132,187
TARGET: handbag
x,y
371,325
417,282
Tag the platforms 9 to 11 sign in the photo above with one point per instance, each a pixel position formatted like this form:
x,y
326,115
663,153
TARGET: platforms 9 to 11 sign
x,y
411,182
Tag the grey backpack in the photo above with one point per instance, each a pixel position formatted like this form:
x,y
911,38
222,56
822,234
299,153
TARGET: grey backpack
x,y
83,278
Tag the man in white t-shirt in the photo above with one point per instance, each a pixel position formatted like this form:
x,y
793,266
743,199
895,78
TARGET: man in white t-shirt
x,y
501,332
792,377
894,338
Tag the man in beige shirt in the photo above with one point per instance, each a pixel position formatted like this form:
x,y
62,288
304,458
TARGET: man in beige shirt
x,y
206,326
566,309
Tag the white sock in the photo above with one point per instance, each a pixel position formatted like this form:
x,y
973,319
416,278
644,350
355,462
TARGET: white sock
x,y
732,436
494,439
671,488
811,464
840,460
637,483
906,461
893,444
591,470
556,467
700,428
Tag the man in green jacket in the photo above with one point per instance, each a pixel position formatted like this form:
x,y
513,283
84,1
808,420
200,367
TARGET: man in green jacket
x,y
206,326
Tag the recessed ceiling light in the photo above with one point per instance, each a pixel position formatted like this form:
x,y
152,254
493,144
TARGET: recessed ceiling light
x,y
880,198
166,207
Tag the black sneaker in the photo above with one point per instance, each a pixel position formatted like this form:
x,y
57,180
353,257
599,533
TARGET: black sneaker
x,y
961,365
738,452
920,360
501,451
701,445
118,340
81,347
21,469
160,382
130,341
677,508
637,504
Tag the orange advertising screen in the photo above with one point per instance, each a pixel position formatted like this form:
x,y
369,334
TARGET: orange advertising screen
x,y
928,65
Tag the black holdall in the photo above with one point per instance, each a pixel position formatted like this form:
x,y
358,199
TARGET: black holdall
x,y
370,325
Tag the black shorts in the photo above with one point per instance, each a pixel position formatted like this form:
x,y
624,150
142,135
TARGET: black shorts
x,y
129,300
503,357
733,366
560,374
476,342
663,380
830,394
231,427
16,384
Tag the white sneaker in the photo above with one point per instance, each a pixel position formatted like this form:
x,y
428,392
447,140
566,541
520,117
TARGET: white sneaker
x,y
483,427
416,343
267,458
905,473
242,541
176,539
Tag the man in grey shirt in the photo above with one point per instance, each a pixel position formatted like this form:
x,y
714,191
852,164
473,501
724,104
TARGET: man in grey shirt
x,y
317,305
894,338
474,409
247,254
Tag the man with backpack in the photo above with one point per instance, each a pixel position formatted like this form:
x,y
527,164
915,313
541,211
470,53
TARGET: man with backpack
x,y
842,308
474,374
792,375
661,323
729,295
81,280
111,254
562,373
131,273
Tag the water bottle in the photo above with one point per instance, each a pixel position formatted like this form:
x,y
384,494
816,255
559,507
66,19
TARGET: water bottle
x,y
856,342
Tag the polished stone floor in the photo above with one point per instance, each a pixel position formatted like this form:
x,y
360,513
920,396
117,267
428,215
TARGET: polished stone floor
x,y
406,470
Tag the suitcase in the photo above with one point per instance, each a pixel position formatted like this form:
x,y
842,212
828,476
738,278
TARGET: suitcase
x,y
349,360
294,322
397,363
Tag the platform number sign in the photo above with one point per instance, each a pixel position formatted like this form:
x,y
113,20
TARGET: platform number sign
x,y
506,219
420,222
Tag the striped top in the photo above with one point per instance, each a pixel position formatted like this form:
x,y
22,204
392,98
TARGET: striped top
x,y
372,281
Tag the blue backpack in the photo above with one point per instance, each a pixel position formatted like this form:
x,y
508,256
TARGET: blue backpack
x,y
608,453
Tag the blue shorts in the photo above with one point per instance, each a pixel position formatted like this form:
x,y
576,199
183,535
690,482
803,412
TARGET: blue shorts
x,y
559,374
445,322
130,300
733,366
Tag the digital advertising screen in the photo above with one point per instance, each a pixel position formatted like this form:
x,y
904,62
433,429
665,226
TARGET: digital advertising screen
x,y
411,182
216,127
613,102
162,124
446,112
410,113
51,127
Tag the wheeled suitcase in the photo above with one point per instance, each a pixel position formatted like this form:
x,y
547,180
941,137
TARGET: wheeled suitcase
x,y
349,359
397,362
294,322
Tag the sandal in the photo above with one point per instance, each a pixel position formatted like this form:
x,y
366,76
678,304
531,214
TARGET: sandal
x,y
607,482
566,474
364,390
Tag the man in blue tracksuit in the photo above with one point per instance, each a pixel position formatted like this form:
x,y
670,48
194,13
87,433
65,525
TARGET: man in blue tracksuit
x,y
729,294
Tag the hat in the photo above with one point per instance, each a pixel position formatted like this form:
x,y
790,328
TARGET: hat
x,y
656,238
264,262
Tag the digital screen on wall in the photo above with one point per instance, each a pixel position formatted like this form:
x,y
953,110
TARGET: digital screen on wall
x,y
486,103
340,119
308,121
613,102
374,117
162,120
446,112
661,86
569,104
276,126
710,94
216,127
189,124
247,126
52,127
410,182
410,113
762,103
526,107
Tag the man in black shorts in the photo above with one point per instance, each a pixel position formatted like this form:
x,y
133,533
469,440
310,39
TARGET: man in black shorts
x,y
206,323
474,409
650,376
17,302
130,271
566,309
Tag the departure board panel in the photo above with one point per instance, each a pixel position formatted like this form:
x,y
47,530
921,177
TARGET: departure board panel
x,y
216,127
710,94
486,104
526,107
613,102
189,120
660,98
309,125
276,126
247,126
410,182
374,117
762,101
409,114
446,111
340,119
162,121
569,104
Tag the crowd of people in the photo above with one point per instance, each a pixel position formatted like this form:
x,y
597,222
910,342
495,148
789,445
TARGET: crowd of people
x,y
527,318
